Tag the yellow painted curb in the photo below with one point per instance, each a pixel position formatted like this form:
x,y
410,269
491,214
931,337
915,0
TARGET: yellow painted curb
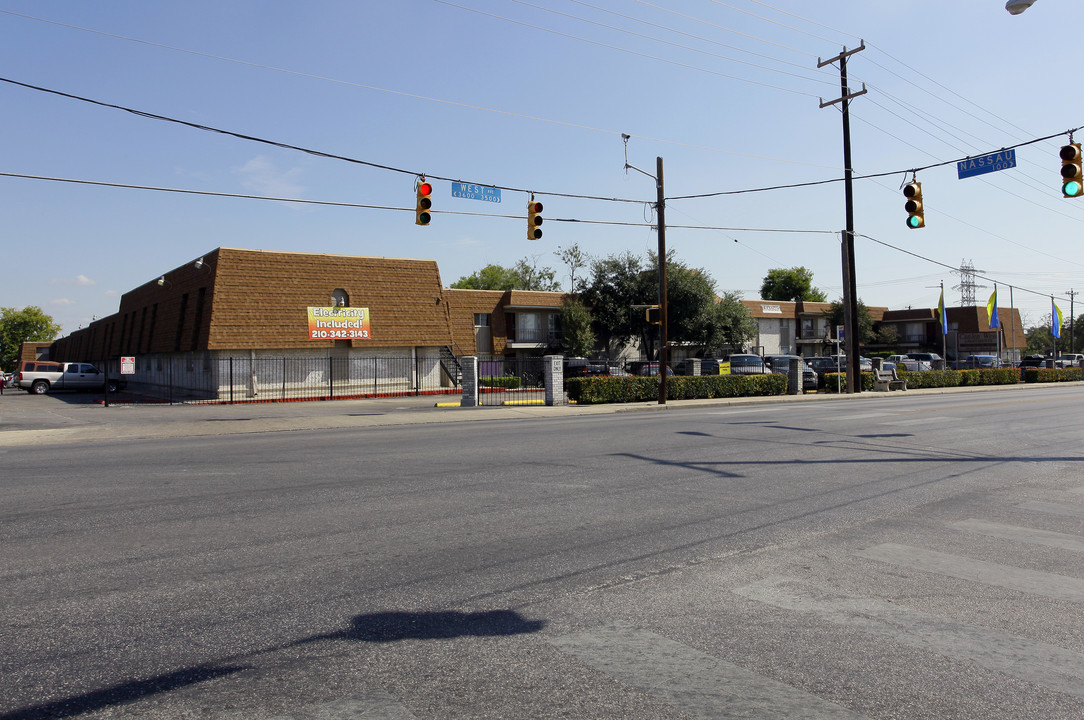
x,y
447,404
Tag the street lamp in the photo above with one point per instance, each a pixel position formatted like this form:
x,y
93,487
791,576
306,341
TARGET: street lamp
x,y
1015,7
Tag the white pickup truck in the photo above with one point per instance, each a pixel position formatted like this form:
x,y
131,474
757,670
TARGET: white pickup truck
x,y
1068,360
39,377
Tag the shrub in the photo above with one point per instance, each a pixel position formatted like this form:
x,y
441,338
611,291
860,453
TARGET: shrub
x,y
503,381
831,380
599,390
1045,375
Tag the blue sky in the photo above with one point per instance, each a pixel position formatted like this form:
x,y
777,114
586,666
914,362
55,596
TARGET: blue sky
x,y
534,97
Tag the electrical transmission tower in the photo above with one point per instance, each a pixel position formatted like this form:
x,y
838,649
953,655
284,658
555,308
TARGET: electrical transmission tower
x,y
967,286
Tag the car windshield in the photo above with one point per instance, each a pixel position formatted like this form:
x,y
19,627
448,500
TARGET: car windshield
x,y
745,360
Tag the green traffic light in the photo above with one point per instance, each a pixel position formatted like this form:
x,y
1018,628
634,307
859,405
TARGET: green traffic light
x,y
1072,188
914,222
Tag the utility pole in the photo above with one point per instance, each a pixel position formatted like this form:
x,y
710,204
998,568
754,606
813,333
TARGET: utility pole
x,y
660,210
664,350
850,286
1072,321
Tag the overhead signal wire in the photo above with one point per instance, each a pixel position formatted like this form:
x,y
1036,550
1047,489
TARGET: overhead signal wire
x,y
402,93
862,177
303,201
512,189
624,50
287,146
453,212
1030,248
1021,177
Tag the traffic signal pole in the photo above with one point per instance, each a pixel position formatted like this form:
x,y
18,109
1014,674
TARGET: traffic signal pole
x,y
850,286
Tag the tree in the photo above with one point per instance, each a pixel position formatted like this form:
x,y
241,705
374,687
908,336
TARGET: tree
x,y
727,323
791,285
524,275
575,259
835,317
579,339
615,285
29,324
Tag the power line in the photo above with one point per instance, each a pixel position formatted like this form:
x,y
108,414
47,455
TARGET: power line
x,y
953,267
624,50
287,146
403,93
303,201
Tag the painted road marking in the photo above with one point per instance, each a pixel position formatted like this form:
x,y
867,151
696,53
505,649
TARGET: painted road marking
x,y
1034,582
697,683
1073,511
1029,660
1062,541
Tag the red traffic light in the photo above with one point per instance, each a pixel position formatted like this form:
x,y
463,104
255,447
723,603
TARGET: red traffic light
x,y
534,220
421,210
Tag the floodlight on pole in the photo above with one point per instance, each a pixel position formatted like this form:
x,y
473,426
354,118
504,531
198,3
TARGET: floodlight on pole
x,y
1015,7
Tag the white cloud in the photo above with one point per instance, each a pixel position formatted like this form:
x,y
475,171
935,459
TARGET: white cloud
x,y
260,176
112,293
80,280
62,302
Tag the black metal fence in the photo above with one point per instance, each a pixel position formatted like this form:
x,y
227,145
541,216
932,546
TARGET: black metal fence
x,y
511,381
203,377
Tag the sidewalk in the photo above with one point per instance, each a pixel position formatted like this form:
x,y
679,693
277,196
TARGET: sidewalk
x,y
43,420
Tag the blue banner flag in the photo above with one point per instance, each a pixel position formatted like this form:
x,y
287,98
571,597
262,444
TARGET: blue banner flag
x,y
1055,318
941,312
991,310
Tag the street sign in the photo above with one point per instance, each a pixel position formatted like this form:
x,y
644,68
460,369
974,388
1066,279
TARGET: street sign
x,y
127,366
986,164
476,192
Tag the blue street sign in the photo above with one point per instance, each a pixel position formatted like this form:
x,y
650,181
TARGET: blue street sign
x,y
986,164
476,192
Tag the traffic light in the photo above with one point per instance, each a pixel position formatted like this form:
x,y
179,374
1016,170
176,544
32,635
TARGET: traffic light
x,y
652,315
913,192
422,215
534,220
1072,180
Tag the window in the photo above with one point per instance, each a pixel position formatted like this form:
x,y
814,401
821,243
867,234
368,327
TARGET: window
x,y
481,320
340,298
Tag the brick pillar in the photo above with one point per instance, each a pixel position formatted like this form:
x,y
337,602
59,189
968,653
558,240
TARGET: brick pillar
x,y
692,367
469,367
554,374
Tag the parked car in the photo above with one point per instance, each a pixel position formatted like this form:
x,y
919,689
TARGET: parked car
x,y
780,364
974,362
1069,360
1035,361
39,377
582,367
932,358
743,364
647,369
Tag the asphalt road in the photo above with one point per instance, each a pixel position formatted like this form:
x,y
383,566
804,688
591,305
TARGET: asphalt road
x,y
912,556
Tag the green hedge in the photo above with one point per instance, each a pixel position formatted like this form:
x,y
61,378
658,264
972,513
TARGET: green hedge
x,y
1045,375
502,381
831,380
599,390
918,379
